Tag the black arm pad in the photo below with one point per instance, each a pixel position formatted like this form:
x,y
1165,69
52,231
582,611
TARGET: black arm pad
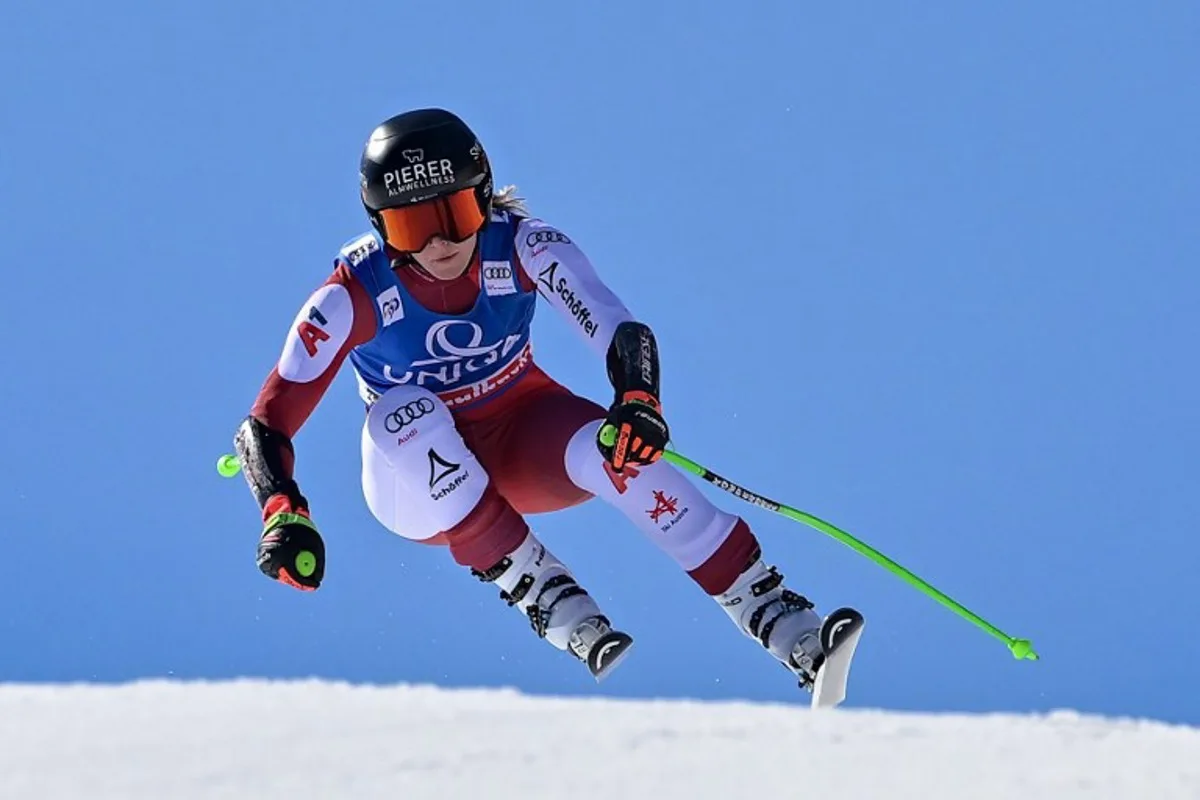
x,y
633,360
260,451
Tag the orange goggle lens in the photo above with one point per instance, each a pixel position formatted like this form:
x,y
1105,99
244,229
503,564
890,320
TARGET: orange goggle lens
x,y
455,217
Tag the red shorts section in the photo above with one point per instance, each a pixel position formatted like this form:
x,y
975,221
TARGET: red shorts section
x,y
522,442
521,439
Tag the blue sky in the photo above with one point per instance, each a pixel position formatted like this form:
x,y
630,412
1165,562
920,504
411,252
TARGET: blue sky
x,y
927,272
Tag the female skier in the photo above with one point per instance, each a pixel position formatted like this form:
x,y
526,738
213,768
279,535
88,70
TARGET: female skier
x,y
464,434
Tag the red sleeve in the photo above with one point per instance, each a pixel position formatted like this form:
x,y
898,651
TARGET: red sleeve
x,y
326,321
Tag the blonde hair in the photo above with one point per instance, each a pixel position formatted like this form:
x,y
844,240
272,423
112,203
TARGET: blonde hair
x,y
507,200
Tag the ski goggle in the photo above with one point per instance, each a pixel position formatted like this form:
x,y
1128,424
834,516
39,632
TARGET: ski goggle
x,y
454,217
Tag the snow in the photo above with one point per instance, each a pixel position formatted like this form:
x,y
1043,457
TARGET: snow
x,y
315,739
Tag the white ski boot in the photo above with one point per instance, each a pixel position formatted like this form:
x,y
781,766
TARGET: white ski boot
x,y
560,611
785,624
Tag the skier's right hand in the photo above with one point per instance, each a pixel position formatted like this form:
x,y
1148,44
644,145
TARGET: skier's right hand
x,y
290,549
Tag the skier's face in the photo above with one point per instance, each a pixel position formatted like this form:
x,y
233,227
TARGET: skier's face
x,y
446,260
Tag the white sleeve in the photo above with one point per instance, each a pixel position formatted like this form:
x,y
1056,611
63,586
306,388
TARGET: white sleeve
x,y
567,281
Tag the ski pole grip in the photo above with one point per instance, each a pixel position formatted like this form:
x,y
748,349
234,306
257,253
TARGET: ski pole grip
x,y
228,466
608,435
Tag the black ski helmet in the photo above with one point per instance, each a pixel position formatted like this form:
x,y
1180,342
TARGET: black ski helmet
x,y
420,155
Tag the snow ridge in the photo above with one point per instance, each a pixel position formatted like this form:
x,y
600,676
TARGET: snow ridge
x,y
320,739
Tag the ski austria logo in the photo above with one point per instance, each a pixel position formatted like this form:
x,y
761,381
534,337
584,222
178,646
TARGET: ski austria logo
x,y
319,330
663,506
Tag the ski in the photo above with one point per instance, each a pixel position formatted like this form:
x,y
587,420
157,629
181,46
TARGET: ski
x,y
607,652
839,637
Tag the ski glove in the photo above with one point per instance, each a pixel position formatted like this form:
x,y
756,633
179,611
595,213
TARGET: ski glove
x,y
290,549
634,431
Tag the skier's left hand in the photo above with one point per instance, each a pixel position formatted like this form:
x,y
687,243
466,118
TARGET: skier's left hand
x,y
634,432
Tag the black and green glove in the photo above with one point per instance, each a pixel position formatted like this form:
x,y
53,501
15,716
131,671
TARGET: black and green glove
x,y
290,549
634,432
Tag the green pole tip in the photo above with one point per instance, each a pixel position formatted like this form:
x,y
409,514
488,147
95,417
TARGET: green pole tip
x,y
306,563
1022,649
608,435
228,466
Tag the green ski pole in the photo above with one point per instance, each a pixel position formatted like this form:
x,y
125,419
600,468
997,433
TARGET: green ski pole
x,y
1021,648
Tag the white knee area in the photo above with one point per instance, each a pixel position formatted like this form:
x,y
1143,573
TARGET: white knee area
x,y
661,501
536,580
418,476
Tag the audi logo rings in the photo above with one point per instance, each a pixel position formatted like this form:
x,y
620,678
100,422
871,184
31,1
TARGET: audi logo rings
x,y
546,237
407,414
497,273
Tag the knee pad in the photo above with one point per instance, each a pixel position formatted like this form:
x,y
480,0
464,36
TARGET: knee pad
x,y
419,477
